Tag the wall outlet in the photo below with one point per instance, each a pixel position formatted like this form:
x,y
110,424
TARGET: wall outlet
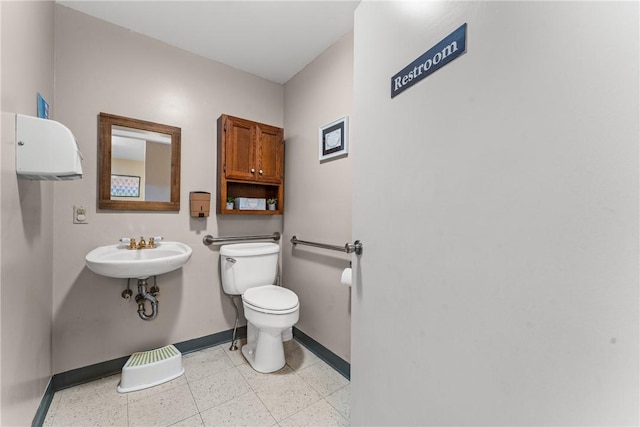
x,y
80,215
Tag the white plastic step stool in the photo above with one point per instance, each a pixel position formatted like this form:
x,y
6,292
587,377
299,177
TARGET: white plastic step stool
x,y
150,368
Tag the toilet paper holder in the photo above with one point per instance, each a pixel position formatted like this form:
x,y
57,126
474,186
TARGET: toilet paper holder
x,y
346,277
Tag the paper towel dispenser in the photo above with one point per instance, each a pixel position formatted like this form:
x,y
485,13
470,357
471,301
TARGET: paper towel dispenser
x,y
46,150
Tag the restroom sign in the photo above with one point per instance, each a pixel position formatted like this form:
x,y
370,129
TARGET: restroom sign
x,y
448,49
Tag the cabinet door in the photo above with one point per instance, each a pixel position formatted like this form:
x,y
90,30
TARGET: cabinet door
x,y
270,148
240,149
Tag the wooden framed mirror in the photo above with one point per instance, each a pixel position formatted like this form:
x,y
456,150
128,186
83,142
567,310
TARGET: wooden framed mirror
x,y
139,166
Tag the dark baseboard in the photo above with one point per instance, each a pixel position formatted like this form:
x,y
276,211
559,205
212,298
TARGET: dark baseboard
x,y
332,359
112,367
41,413
88,373
197,344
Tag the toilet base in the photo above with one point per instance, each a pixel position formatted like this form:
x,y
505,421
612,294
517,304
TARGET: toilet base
x,y
264,349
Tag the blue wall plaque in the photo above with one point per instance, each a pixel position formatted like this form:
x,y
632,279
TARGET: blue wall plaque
x,y
448,49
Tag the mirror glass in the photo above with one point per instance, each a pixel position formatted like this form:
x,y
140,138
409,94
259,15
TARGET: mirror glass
x,y
140,164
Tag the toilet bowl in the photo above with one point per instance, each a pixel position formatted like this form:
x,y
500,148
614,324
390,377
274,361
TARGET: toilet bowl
x,y
249,269
270,311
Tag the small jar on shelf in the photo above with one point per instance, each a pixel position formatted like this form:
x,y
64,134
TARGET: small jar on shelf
x,y
230,201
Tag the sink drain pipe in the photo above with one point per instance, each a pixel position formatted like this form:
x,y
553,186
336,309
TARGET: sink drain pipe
x,y
144,296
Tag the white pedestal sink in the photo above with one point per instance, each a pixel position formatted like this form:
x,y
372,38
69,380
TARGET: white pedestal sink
x,y
121,263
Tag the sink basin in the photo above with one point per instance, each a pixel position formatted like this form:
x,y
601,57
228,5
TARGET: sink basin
x,y
119,262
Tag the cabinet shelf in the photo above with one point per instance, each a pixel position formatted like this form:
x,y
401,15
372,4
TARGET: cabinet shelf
x,y
250,164
250,212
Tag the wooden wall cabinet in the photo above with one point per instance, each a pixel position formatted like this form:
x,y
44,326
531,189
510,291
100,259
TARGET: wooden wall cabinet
x,y
250,164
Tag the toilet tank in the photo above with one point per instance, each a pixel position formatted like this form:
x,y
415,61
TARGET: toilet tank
x,y
247,265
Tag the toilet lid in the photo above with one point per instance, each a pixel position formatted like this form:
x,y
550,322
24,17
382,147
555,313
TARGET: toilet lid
x,y
271,297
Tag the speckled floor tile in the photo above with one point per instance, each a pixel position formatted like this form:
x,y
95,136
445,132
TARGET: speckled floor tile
x,y
297,356
87,401
105,388
288,396
134,396
163,409
258,380
115,416
323,378
341,400
102,416
246,410
205,362
194,421
318,414
236,355
218,388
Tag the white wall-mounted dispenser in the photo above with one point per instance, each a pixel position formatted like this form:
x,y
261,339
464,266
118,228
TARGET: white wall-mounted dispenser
x,y
46,150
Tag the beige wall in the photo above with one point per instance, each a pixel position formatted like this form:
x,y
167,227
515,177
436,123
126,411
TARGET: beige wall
x,y
26,225
318,197
504,290
91,322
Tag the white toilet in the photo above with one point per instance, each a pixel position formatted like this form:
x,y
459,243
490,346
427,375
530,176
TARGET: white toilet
x,y
249,269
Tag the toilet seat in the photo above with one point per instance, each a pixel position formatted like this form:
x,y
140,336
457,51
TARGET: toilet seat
x,y
271,299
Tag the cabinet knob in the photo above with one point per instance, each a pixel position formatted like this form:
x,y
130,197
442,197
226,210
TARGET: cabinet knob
x,y
260,171
253,170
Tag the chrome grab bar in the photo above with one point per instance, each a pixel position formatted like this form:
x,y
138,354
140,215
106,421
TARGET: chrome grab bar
x,y
348,247
210,240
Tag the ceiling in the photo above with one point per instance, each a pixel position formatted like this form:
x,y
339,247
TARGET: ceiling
x,y
271,39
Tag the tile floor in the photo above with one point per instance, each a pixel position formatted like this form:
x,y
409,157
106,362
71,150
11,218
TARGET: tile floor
x,y
219,388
